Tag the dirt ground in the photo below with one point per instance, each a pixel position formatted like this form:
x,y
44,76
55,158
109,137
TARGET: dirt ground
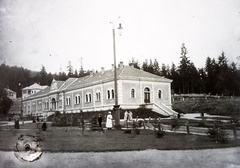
x,y
209,158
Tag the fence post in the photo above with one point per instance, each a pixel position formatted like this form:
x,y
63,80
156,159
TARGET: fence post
x,y
187,126
234,131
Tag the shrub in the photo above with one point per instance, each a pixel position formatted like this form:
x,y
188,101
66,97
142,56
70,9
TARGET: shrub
x,y
44,126
217,134
128,131
159,134
175,125
135,128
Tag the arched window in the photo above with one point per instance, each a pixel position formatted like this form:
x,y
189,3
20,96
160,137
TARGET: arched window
x,y
54,104
88,98
108,94
77,99
39,105
46,105
68,101
98,96
132,93
147,95
159,94
112,94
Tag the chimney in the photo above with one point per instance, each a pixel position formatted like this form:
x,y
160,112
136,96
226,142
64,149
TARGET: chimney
x,y
121,64
102,70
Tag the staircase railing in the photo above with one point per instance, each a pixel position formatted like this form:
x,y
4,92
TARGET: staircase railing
x,y
165,109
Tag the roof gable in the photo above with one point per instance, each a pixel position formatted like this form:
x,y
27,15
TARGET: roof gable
x,y
55,85
44,91
129,72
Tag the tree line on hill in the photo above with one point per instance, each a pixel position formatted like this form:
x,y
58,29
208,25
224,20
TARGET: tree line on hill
x,y
217,77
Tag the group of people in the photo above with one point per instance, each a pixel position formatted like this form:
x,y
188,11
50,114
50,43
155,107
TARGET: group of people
x,y
109,118
109,123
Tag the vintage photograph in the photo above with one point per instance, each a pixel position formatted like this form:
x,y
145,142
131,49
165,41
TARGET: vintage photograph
x,y
119,83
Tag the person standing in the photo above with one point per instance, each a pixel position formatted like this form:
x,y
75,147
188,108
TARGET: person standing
x,y
16,121
99,120
38,121
126,116
130,116
109,121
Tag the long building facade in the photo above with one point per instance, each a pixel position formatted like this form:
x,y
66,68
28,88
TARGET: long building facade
x,y
95,92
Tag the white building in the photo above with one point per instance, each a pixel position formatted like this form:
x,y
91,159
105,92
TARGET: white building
x,y
95,92
30,90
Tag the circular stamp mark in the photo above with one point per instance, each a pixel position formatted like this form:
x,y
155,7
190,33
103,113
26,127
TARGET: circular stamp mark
x,y
28,148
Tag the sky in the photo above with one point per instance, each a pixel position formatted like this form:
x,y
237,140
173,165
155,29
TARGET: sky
x,y
36,33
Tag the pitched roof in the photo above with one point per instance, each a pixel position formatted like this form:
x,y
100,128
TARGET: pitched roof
x,y
67,83
129,72
35,86
44,91
124,72
9,90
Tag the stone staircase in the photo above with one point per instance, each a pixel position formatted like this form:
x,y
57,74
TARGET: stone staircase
x,y
164,110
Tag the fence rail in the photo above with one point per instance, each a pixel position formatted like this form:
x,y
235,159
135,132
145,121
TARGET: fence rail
x,y
202,97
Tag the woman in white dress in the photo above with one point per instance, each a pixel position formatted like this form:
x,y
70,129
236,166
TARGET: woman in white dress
x,y
109,121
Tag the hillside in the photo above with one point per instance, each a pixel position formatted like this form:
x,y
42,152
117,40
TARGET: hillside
x,y
215,106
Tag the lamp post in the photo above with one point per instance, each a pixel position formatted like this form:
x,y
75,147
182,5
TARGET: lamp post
x,y
116,106
21,100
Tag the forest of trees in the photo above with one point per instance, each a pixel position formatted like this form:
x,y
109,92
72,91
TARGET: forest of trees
x,y
16,78
217,77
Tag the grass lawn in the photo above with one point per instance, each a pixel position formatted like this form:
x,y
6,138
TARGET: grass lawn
x,y
57,139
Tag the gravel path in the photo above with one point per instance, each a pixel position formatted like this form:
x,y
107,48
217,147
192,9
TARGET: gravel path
x,y
207,158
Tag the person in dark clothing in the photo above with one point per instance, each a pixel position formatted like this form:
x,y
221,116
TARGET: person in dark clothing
x,y
99,120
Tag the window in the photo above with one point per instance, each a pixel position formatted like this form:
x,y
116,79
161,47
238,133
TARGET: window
x,y
77,99
88,98
98,96
46,104
108,94
39,105
132,93
159,94
54,104
112,94
146,95
68,101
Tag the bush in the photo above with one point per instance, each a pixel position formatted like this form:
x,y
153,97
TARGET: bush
x,y
175,125
217,134
44,126
159,134
128,131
